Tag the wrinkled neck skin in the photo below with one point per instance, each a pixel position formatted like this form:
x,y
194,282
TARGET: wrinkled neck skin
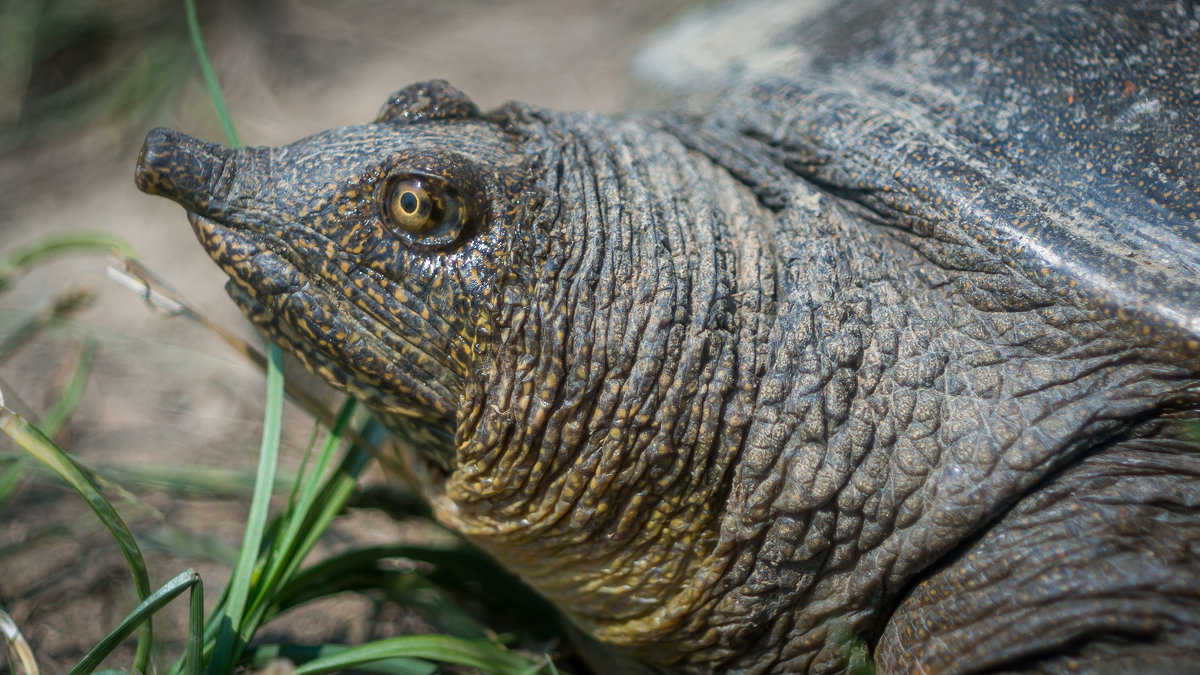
x,y
595,447
724,436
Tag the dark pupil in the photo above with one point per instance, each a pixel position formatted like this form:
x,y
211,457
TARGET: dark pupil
x,y
408,202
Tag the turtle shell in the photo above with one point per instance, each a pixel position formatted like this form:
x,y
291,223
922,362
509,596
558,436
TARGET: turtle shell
x,y
1057,140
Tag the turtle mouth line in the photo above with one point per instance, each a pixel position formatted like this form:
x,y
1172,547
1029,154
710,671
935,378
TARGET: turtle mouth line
x,y
249,256
269,273
294,304
214,231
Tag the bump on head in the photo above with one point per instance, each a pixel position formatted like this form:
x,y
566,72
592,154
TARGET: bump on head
x,y
430,100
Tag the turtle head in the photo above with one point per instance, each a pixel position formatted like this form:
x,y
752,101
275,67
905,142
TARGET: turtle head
x,y
372,252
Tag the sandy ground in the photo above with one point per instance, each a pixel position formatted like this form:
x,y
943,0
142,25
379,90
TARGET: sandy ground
x,y
165,392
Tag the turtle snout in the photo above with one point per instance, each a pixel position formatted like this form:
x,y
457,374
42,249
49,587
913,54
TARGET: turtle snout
x,y
179,167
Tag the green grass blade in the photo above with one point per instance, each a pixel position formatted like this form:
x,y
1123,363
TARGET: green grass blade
x,y
334,495
291,547
58,414
461,569
190,545
297,485
179,480
233,634
194,653
470,653
210,75
32,439
140,615
11,475
364,570
205,481
62,305
19,260
262,655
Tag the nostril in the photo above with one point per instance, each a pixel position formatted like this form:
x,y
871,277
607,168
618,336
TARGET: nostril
x,y
176,166
140,174
153,165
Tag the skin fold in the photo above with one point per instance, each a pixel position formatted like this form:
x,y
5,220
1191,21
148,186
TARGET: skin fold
x,y
893,343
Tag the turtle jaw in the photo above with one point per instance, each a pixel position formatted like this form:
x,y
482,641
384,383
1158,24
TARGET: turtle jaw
x,y
320,327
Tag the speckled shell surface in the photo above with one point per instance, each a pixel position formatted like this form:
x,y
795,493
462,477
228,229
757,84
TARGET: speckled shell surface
x,y
1059,138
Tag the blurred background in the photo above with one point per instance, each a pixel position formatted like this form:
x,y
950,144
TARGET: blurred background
x,y
81,81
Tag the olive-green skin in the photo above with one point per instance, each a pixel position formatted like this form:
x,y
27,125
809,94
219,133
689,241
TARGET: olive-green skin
x,y
894,341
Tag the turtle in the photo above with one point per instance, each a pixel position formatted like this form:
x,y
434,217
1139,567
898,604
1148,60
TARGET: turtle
x,y
883,330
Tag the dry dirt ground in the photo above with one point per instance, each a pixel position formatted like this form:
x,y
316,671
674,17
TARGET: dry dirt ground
x,y
166,393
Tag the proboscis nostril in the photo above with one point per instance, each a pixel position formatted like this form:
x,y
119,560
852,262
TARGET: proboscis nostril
x,y
179,167
151,161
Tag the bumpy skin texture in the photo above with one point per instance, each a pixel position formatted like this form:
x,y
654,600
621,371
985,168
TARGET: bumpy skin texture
x,y
898,342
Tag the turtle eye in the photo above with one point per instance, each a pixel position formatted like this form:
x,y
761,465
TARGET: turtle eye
x,y
424,210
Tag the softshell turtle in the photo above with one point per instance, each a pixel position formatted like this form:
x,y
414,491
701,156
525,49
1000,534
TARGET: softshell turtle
x,y
889,329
